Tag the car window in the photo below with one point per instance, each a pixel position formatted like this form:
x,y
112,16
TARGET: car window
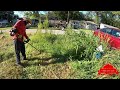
x,y
107,30
103,30
116,33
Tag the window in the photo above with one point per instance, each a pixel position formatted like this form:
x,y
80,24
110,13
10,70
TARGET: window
x,y
107,30
116,33
103,30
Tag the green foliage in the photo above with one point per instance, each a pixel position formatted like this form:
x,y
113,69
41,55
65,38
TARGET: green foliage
x,y
32,72
73,45
77,47
46,23
40,26
8,15
116,12
32,14
89,69
73,15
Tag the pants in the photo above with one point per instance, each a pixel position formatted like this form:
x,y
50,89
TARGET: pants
x,y
19,47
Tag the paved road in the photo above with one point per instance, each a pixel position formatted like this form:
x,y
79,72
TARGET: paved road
x,y
43,31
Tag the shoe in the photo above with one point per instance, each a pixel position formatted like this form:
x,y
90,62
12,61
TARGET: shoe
x,y
19,64
24,58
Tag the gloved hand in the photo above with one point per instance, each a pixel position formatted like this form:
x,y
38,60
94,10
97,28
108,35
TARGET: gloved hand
x,y
27,40
13,32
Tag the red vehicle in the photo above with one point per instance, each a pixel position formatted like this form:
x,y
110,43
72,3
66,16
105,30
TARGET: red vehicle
x,y
111,35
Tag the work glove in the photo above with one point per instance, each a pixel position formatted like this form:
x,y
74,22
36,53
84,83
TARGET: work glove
x,y
27,40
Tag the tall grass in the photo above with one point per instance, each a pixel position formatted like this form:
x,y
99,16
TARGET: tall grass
x,y
70,46
76,47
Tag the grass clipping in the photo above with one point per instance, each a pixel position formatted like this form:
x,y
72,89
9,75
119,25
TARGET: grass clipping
x,y
9,70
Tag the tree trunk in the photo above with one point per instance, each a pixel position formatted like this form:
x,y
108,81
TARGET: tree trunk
x,y
97,17
68,16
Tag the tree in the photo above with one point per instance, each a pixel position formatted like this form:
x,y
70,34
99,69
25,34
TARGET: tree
x,y
73,15
35,14
28,13
68,16
97,15
8,15
89,16
32,14
52,15
111,18
116,12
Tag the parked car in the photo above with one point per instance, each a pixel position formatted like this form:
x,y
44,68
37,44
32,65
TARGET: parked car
x,y
112,35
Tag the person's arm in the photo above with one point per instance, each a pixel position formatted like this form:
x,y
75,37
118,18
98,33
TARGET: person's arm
x,y
26,35
17,24
14,30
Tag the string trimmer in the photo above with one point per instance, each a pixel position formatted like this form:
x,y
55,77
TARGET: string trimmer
x,y
27,42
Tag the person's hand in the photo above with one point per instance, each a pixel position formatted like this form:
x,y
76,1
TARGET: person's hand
x,y
27,40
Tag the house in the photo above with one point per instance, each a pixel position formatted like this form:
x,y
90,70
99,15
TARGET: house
x,y
3,23
57,23
35,22
75,24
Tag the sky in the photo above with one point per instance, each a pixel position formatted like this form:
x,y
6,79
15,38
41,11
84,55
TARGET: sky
x,y
21,14
18,13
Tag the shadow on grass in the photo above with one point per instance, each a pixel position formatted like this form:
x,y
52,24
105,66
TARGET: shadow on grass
x,y
37,58
40,61
62,58
43,61
58,58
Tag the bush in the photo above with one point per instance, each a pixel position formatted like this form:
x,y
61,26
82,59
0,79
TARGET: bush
x,y
46,23
72,45
40,26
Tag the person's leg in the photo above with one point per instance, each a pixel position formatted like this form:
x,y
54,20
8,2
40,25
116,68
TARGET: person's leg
x,y
23,50
17,51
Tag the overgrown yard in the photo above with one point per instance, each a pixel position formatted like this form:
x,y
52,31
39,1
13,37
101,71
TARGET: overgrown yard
x,y
68,56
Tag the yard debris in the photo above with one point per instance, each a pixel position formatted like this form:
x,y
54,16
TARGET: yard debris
x,y
100,52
